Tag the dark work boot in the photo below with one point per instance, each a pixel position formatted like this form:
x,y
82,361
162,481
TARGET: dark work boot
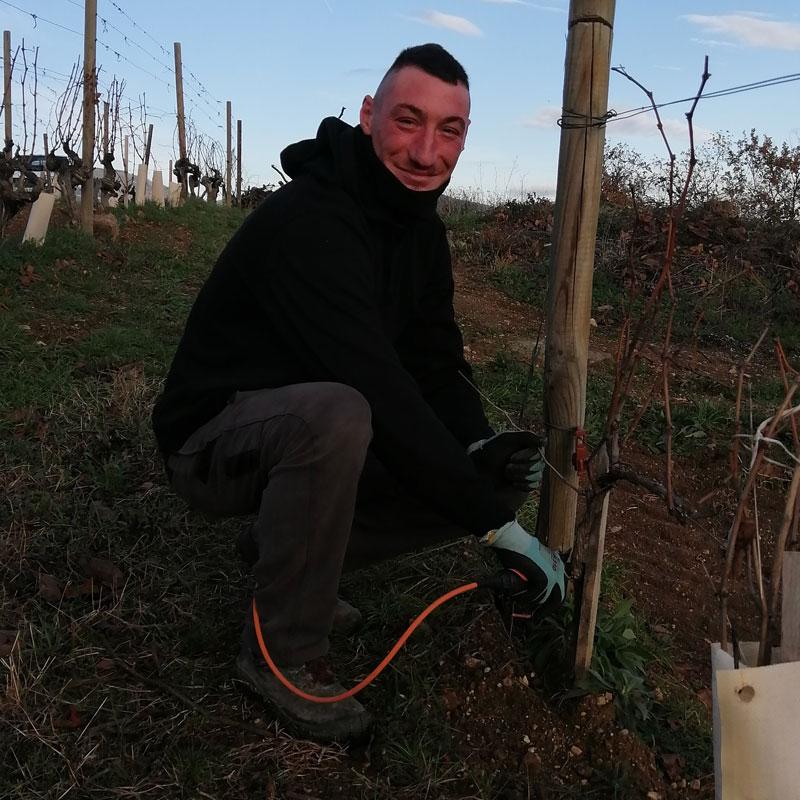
x,y
346,720
347,619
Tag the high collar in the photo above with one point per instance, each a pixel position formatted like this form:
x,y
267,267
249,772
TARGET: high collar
x,y
383,194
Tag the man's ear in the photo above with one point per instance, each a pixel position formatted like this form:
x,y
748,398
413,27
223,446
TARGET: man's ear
x,y
365,115
464,140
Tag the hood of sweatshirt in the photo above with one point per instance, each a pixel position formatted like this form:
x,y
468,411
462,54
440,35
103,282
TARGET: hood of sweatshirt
x,y
344,155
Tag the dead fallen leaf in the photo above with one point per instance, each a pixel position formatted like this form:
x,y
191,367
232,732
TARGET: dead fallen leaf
x,y
49,588
81,589
27,275
673,765
105,571
70,722
450,700
704,696
7,639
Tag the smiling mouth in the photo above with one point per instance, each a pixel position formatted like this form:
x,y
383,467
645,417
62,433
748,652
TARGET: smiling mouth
x,y
418,177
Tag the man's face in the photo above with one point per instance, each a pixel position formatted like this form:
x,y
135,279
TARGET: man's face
x,y
418,125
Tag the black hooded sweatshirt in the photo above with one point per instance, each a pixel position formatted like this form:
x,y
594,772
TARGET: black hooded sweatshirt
x,y
342,275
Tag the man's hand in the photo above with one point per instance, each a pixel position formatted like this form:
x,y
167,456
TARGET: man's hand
x,y
524,469
541,566
513,460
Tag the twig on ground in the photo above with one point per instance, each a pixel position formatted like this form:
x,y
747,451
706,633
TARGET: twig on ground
x,y
681,508
185,699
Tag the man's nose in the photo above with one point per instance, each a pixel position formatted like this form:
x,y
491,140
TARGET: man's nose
x,y
423,148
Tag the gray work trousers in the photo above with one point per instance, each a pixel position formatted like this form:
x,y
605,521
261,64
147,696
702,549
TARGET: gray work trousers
x,y
298,456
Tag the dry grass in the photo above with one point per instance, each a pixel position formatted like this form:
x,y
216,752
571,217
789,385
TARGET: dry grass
x,y
120,603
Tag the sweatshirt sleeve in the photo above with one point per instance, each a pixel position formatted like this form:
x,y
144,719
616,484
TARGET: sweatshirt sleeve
x,y
432,349
316,286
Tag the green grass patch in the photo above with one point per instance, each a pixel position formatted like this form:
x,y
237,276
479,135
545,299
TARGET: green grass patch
x,y
75,307
528,284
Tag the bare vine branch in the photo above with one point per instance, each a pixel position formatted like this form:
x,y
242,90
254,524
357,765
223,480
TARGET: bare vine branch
x,y
769,425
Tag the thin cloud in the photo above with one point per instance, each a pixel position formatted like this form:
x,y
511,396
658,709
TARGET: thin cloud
x,y
762,14
713,42
449,22
644,125
753,30
537,6
544,117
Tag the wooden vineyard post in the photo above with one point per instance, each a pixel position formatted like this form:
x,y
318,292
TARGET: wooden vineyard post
x,y
238,162
7,89
228,165
89,99
141,173
148,144
105,200
181,119
47,181
127,182
569,299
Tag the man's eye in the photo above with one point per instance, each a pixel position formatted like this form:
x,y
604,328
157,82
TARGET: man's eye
x,y
405,121
452,131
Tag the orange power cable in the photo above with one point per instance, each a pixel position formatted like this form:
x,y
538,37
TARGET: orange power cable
x,y
467,587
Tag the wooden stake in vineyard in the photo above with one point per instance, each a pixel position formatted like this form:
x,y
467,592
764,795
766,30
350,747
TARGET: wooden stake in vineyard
x,y
89,100
572,260
7,90
238,162
125,167
228,165
48,186
181,121
149,143
569,298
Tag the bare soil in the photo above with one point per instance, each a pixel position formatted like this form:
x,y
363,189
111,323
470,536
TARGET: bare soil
x,y
671,571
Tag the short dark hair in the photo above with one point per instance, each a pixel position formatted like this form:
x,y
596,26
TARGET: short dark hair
x,y
433,59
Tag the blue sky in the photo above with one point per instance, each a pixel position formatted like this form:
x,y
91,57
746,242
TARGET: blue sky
x,y
287,65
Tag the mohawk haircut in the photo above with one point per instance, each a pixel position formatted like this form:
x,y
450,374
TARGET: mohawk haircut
x,y
433,59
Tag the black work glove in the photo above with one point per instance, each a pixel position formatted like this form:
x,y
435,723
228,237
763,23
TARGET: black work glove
x,y
514,461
